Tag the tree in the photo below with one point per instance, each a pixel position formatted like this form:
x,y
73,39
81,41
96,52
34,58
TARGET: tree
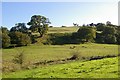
x,y
109,30
100,26
86,34
109,35
39,23
4,37
4,30
21,27
5,40
19,38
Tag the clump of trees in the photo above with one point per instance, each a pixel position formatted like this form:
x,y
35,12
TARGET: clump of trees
x,y
14,38
20,35
107,33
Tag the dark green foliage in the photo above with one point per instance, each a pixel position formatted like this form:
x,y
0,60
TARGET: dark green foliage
x,y
60,38
99,38
19,38
21,27
109,30
39,24
5,40
109,35
118,34
118,39
110,39
100,26
43,30
86,34
63,26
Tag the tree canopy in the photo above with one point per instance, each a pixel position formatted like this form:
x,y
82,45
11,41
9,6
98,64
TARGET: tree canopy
x,y
39,24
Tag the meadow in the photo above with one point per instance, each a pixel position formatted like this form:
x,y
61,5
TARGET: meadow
x,y
52,61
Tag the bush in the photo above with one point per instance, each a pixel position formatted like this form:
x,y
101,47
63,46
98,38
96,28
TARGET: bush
x,y
75,55
19,59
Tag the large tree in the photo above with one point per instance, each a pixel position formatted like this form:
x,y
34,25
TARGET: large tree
x,y
86,34
39,24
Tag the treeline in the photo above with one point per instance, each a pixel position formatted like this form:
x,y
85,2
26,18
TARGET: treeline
x,y
101,33
20,35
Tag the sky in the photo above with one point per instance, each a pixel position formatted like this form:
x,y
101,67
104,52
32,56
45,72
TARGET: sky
x,y
60,13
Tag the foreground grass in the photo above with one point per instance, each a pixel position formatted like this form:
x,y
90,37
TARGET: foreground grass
x,y
104,68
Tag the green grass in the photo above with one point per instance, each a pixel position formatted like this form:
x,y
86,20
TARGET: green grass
x,y
37,53
104,68
53,52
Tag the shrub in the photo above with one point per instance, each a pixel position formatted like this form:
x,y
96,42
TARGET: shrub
x,y
19,58
75,55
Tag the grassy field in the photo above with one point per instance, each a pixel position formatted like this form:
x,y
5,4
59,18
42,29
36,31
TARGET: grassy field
x,y
104,68
63,29
60,30
36,53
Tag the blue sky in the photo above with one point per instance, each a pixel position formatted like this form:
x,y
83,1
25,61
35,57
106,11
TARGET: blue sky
x,y
60,13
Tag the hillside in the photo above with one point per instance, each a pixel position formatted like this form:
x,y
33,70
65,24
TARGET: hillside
x,y
104,68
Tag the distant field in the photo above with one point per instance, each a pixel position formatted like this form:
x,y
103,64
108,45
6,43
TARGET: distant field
x,y
61,30
104,68
37,53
